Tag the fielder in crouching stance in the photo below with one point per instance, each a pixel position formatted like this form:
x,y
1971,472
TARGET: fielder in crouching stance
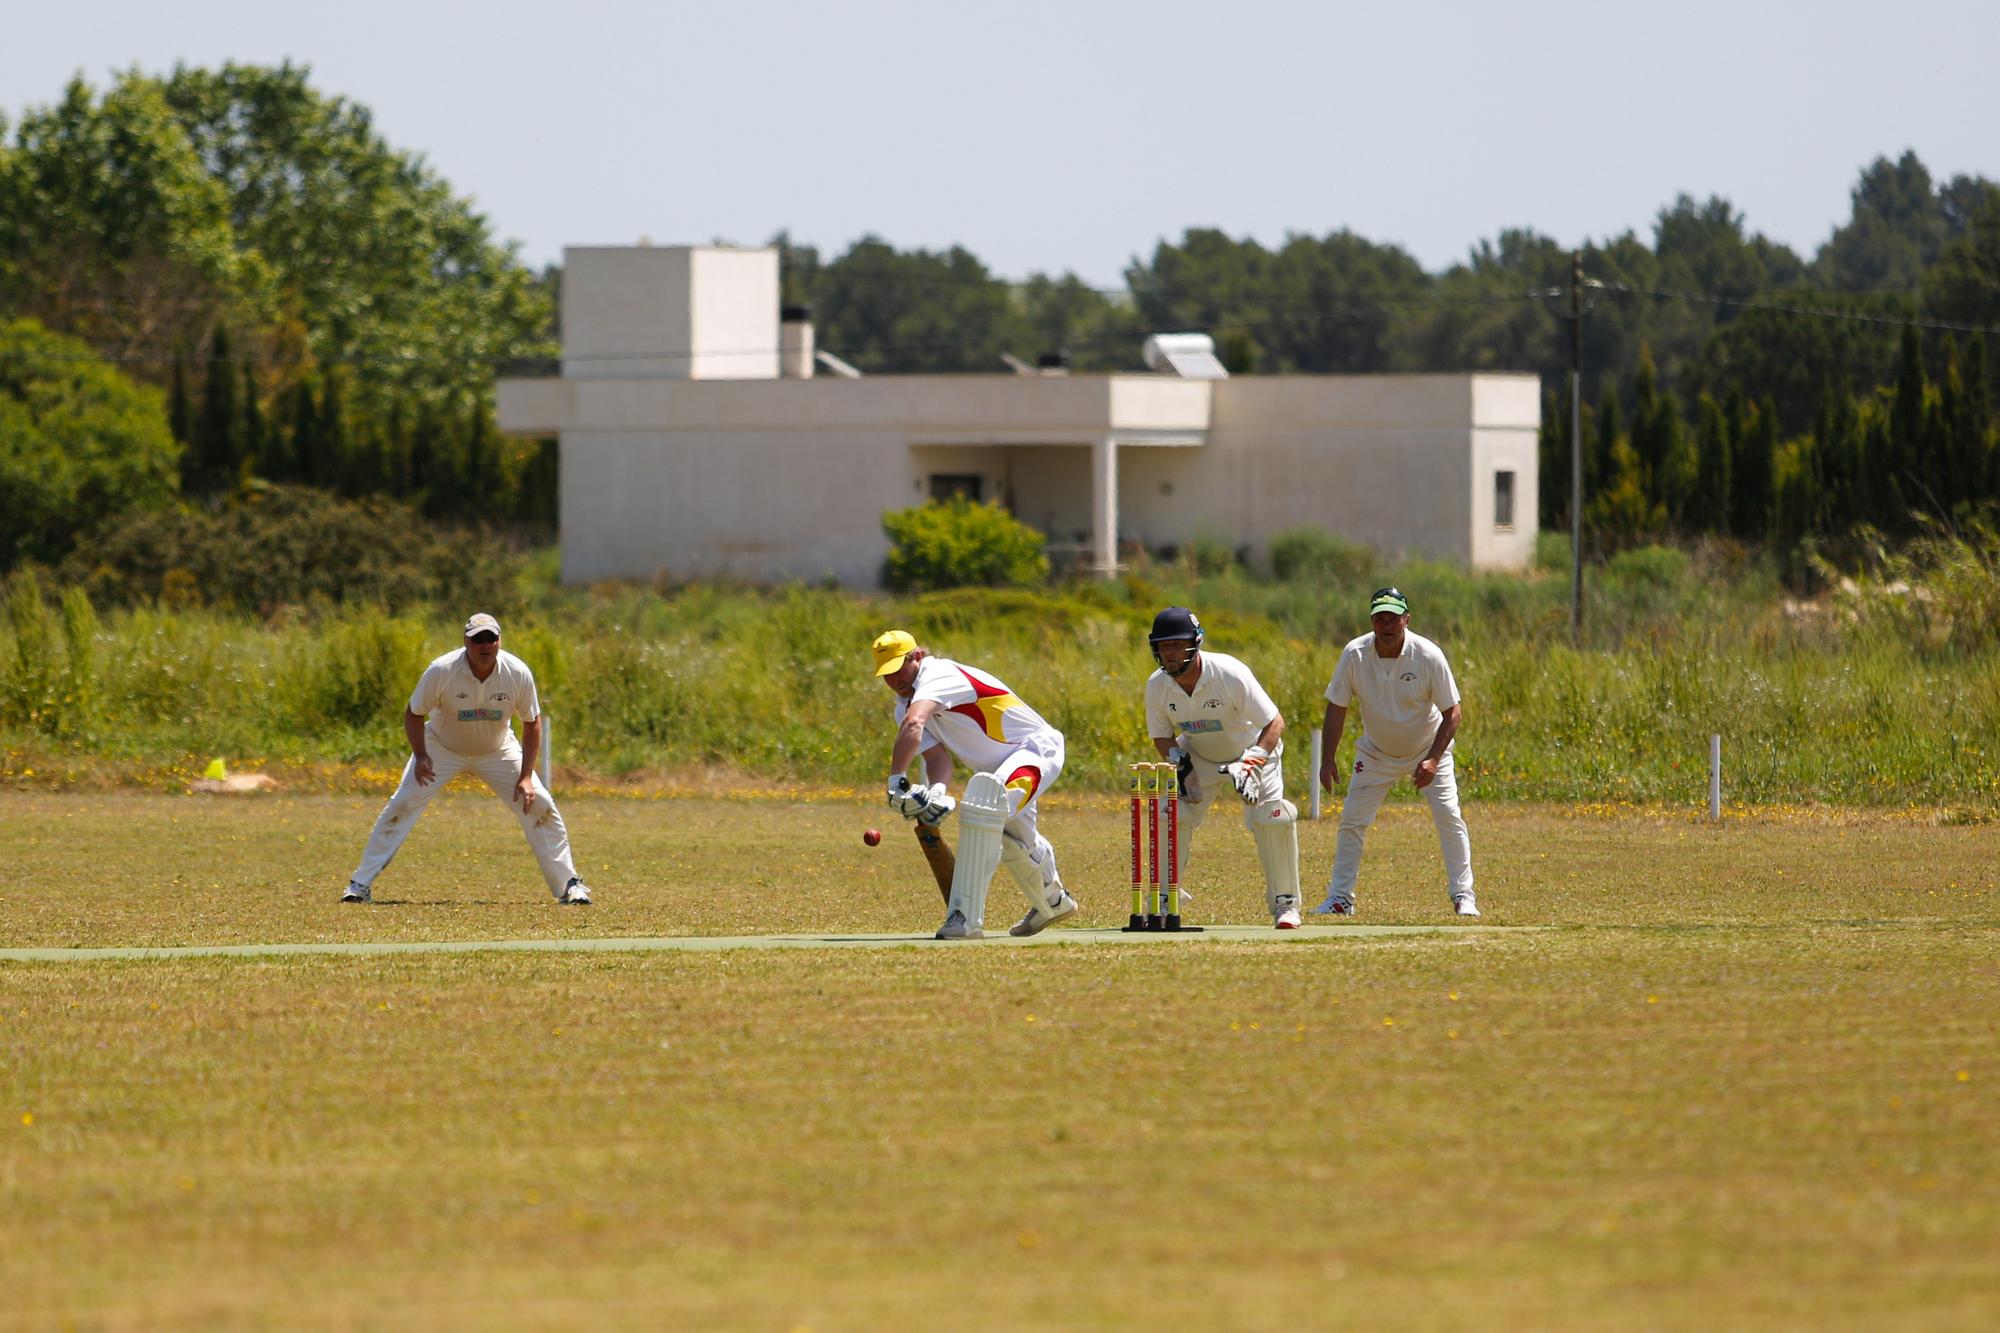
x,y
1207,714
468,696
943,710
1410,713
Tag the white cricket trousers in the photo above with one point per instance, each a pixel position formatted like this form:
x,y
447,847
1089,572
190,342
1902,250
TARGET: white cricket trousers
x,y
1366,786
542,822
1212,786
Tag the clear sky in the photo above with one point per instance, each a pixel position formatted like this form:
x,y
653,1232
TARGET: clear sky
x,y
1047,137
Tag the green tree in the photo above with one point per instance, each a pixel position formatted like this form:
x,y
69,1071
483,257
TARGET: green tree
x,y
1709,505
79,443
366,246
214,458
112,230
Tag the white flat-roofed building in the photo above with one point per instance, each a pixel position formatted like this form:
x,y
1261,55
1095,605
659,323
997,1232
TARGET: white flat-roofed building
x,y
698,443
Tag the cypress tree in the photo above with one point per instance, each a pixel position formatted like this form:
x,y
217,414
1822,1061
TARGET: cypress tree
x,y
332,445
258,437
1552,454
1753,463
1710,507
218,429
541,480
304,430
180,404
1907,431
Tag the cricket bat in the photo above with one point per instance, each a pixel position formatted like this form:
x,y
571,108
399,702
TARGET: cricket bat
x,y
938,852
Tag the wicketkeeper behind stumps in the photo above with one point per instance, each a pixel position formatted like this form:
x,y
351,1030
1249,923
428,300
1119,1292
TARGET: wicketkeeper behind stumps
x,y
1206,713
947,710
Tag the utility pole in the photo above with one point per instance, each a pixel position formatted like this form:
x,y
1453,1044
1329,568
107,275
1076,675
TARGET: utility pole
x,y
1576,446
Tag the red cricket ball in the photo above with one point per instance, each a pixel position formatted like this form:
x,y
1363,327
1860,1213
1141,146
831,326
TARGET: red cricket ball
x,y
872,837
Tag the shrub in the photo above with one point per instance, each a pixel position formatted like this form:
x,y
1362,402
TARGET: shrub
x,y
1316,553
1552,551
959,543
1648,567
279,545
78,442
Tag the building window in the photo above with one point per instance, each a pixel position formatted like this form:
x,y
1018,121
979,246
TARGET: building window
x,y
945,485
1503,499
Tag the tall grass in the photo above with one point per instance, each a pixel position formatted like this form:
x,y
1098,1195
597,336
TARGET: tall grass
x,y
1840,700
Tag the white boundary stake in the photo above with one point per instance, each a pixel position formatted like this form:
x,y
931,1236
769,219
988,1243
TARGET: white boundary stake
x,y
1312,774
545,761
1714,777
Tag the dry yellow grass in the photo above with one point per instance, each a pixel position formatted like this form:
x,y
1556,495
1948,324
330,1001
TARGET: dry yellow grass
x,y
1747,1078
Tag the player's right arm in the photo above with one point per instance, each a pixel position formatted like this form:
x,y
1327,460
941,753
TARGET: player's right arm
x,y
1330,729
937,765
428,694
413,727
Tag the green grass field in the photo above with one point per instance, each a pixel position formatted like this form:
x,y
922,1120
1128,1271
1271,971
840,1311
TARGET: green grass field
x,y
1736,1075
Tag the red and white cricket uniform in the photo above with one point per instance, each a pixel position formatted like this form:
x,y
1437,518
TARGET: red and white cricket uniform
x,y
1402,701
467,728
987,727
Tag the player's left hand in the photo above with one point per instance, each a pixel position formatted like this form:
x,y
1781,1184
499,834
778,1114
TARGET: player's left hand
x,y
1244,777
1426,771
524,791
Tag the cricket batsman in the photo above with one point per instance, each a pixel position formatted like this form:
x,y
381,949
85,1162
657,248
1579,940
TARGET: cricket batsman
x,y
1206,714
947,710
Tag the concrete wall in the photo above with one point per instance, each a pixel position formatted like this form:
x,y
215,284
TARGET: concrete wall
x,y
669,312
787,479
742,506
1387,461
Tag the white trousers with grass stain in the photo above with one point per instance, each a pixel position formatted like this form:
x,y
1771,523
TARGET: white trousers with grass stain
x,y
543,824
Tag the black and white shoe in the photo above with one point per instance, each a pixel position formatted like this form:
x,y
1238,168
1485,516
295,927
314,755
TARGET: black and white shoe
x,y
575,893
355,893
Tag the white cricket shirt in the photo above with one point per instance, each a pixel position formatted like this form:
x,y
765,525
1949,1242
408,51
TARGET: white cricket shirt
x,y
978,719
469,715
1402,698
1224,715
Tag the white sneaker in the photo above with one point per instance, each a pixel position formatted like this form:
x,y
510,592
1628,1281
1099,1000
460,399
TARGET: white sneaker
x,y
1335,907
1465,905
1039,919
356,893
575,893
1287,915
956,927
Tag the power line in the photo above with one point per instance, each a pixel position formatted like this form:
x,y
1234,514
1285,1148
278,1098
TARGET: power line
x,y
1739,303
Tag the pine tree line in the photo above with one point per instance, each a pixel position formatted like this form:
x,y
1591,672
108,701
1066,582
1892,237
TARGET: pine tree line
x,y
448,465
1924,445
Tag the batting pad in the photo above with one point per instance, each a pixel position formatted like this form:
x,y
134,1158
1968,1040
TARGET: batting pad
x,y
1034,874
1275,826
982,812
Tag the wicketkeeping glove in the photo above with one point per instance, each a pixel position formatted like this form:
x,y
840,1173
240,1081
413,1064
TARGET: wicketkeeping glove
x,y
1243,777
1183,763
1243,773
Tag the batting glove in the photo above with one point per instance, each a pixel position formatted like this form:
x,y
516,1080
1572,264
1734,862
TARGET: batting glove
x,y
905,799
936,806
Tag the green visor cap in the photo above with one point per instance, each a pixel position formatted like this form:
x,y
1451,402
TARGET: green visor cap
x,y
1388,599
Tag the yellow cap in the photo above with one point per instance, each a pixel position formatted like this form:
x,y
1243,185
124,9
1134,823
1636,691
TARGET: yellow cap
x,y
217,771
890,650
